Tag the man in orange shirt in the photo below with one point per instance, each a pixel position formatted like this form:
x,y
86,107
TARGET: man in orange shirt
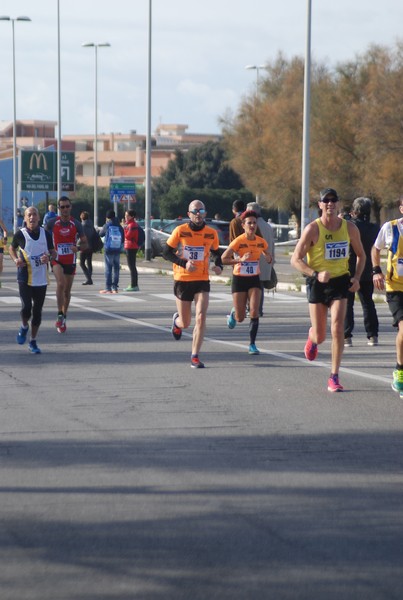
x,y
189,248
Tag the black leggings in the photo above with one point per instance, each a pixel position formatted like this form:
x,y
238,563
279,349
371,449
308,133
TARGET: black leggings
x,y
32,299
86,257
131,263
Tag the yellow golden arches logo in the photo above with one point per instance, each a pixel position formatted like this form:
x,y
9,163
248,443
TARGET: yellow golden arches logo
x,y
38,159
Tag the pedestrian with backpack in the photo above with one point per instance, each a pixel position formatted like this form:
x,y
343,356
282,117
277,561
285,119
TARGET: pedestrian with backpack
x,y
113,235
134,239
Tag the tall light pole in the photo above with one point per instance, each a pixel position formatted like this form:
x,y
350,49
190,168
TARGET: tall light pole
x,y
59,110
306,122
148,142
257,68
15,180
96,46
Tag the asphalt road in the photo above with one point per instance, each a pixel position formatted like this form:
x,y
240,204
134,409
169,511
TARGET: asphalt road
x,y
125,474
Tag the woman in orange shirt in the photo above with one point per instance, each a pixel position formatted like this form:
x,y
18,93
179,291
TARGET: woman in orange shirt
x,y
244,253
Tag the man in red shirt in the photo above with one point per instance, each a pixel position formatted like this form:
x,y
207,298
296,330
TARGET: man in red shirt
x,y
131,246
66,231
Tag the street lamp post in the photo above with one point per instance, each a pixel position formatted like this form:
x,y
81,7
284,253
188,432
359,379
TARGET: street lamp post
x,y
15,180
307,121
147,214
96,46
257,68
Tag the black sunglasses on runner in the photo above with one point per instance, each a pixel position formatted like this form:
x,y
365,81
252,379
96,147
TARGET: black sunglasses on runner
x,y
195,211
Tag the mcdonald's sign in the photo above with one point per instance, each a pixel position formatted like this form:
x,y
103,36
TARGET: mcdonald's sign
x,y
37,158
38,171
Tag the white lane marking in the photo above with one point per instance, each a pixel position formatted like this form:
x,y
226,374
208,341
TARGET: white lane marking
x,y
73,299
10,300
282,355
77,302
121,298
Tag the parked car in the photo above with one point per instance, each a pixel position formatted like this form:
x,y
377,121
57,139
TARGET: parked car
x,y
155,223
159,237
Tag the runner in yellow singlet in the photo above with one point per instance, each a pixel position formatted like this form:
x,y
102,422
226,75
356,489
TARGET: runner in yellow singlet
x,y
322,256
390,237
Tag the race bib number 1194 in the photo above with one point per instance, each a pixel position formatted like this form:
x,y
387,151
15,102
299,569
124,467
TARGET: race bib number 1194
x,y
335,250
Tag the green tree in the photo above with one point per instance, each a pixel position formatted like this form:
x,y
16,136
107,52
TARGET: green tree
x,y
356,130
191,174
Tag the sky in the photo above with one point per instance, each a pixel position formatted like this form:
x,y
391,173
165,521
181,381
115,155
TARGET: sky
x,y
199,54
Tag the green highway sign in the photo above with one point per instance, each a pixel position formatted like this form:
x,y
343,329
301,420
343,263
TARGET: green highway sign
x,y
39,170
122,189
68,169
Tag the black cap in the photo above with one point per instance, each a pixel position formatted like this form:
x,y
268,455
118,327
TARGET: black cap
x,y
328,192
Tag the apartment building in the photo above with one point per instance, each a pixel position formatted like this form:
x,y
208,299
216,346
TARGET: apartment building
x,y
118,154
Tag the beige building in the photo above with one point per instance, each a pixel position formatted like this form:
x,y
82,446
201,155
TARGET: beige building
x,y
118,154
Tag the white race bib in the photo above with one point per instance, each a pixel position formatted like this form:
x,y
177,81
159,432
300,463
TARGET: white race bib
x,y
336,250
64,249
36,261
249,268
195,253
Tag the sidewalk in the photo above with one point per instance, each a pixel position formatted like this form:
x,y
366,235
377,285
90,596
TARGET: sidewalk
x,y
288,278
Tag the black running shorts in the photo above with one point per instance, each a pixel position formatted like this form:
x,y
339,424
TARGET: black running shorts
x,y
186,290
240,283
67,269
324,293
395,303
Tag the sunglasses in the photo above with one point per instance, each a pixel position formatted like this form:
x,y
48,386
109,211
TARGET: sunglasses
x,y
64,206
331,199
196,211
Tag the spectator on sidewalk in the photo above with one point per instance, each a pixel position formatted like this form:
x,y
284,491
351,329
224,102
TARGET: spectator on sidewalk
x,y
86,255
112,231
360,216
266,232
134,239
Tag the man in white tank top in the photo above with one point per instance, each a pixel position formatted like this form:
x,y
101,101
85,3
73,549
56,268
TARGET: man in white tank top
x,y
31,249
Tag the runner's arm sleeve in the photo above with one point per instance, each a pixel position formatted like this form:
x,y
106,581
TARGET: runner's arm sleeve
x,y
217,258
169,254
49,240
18,240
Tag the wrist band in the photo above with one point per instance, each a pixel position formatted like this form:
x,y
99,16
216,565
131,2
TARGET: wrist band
x,y
376,271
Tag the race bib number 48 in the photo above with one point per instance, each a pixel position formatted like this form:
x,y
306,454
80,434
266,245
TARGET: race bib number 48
x,y
249,268
335,250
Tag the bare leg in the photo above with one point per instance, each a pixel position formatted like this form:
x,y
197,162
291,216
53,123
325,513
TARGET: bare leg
x,y
337,314
201,306
240,299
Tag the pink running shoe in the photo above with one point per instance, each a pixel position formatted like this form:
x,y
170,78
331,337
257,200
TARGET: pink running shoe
x,y
333,384
311,349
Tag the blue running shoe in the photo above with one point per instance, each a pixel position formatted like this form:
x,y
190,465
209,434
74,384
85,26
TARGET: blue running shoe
x,y
231,322
253,349
22,335
34,348
397,384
